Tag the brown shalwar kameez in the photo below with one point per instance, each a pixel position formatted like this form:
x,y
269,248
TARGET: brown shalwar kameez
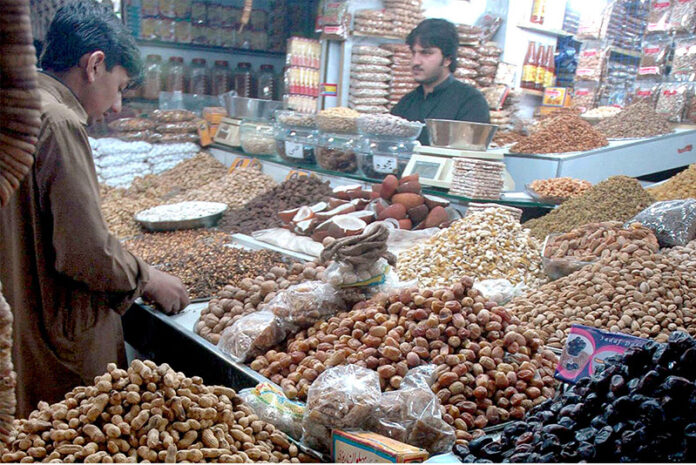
x,y
67,279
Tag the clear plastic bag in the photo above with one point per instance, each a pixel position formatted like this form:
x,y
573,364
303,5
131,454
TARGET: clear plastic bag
x,y
672,221
500,291
251,335
684,62
591,61
585,95
673,99
270,405
646,90
412,414
302,305
659,16
342,397
654,57
683,18
556,268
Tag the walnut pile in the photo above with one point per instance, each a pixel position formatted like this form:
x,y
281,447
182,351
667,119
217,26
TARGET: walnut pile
x,y
148,413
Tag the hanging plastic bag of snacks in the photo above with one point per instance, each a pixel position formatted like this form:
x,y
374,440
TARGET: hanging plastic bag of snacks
x,y
591,61
646,90
654,57
659,15
683,17
585,95
673,99
684,62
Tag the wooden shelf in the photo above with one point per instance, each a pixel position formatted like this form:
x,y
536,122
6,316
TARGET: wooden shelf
x,y
209,48
542,30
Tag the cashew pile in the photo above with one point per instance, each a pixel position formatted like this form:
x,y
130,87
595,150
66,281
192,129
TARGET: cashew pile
x,y
148,413
486,244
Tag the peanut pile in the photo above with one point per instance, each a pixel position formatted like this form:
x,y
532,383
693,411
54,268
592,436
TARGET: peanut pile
x,y
489,368
559,188
485,244
599,240
618,198
120,205
201,259
248,295
560,134
645,295
148,413
235,189
680,186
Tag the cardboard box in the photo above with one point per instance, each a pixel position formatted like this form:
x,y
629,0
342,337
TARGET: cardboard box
x,y
214,115
367,447
556,97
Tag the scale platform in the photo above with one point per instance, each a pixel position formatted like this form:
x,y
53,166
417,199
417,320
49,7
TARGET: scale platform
x,y
435,165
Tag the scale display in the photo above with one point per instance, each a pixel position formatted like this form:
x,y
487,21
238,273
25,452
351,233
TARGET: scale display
x,y
228,132
426,169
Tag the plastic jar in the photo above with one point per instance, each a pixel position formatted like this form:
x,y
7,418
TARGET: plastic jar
x,y
175,80
257,137
152,83
167,8
266,83
337,152
296,145
244,80
221,80
199,83
379,158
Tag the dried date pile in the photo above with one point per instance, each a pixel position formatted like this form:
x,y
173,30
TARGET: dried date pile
x,y
489,369
635,121
262,211
680,186
201,260
639,408
148,413
619,198
560,134
648,296
486,244
248,295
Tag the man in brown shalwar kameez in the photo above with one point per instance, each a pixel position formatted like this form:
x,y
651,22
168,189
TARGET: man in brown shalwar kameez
x,y
67,279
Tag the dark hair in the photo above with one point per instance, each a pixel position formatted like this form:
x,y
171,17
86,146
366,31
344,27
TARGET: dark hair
x,y
438,33
84,27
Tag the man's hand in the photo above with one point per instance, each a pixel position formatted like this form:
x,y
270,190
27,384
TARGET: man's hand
x,y
167,291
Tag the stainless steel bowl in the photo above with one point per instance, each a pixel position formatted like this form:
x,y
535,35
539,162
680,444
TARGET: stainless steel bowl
x,y
460,134
249,108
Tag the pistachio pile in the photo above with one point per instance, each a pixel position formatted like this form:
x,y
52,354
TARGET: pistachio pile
x,y
489,369
645,295
486,244
148,413
618,198
235,188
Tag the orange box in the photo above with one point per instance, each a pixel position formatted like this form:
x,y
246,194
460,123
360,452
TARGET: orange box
x,y
204,133
214,115
367,447
556,97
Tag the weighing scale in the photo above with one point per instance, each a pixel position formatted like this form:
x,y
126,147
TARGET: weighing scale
x,y
228,132
435,165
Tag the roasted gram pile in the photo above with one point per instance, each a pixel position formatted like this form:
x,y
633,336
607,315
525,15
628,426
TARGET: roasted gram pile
x,y
119,206
248,295
201,259
634,410
619,198
262,211
149,413
634,121
562,133
489,369
680,186
485,244
646,295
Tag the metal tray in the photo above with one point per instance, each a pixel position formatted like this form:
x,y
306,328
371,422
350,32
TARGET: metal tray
x,y
202,222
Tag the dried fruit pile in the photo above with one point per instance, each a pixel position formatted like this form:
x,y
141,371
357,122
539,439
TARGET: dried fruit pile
x,y
635,121
489,369
619,198
647,296
639,408
485,244
201,259
148,413
559,188
248,295
560,134
235,188
680,186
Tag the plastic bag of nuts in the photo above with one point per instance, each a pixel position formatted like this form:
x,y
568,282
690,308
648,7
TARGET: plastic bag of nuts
x,y
252,334
673,221
412,414
305,304
342,397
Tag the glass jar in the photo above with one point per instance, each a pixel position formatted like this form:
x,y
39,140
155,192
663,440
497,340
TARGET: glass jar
x,y
337,152
199,82
296,145
175,80
152,83
257,137
379,158
222,77
266,83
167,8
244,80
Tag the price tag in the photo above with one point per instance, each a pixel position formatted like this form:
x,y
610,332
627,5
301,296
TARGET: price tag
x,y
383,164
294,174
294,150
244,162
